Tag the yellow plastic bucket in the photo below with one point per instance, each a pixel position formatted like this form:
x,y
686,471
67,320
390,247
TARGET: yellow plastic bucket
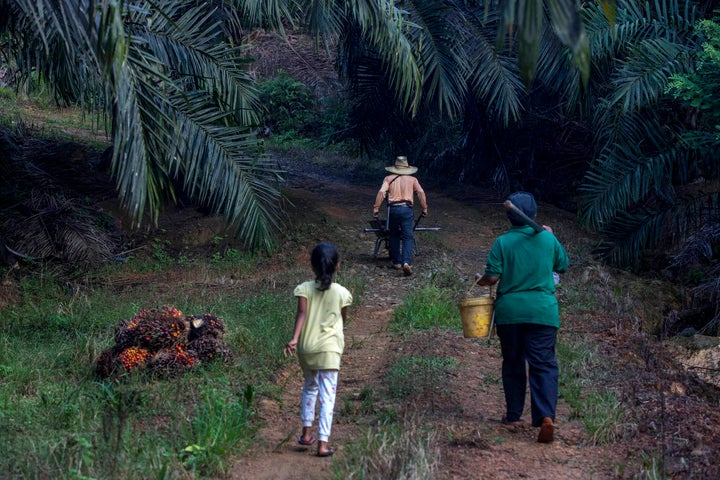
x,y
476,314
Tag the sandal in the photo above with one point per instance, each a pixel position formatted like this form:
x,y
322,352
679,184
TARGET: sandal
x,y
306,442
328,453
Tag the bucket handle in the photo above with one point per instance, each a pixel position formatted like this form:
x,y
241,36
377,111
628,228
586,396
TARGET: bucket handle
x,y
475,284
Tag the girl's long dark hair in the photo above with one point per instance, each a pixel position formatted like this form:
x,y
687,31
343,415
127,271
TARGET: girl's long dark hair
x,y
324,260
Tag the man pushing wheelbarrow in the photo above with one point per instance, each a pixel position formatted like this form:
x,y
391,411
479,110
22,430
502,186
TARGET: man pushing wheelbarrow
x,y
399,190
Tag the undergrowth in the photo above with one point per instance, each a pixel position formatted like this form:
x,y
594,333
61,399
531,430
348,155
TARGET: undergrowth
x,y
600,411
410,376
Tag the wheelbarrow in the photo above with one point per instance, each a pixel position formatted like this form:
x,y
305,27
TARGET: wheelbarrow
x,y
382,234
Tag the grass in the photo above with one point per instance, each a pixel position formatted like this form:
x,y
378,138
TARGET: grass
x,y
411,376
57,420
402,447
220,426
600,411
47,121
429,307
402,451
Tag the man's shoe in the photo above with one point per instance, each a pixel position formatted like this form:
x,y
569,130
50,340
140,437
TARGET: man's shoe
x,y
397,266
547,431
407,269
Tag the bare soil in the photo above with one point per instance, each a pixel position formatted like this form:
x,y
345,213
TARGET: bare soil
x,y
669,416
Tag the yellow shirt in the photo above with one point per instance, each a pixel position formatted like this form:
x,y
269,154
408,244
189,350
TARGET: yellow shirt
x,y
401,190
321,341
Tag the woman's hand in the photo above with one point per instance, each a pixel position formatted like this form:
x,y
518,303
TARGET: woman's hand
x,y
485,280
290,347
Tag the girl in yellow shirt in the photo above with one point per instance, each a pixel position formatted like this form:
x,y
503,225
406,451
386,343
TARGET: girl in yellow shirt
x,y
318,340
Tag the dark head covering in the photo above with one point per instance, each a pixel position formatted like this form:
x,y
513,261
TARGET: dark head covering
x,y
525,202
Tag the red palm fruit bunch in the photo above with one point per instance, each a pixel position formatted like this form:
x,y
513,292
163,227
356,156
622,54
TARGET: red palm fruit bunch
x,y
163,340
133,357
205,337
159,328
174,360
209,348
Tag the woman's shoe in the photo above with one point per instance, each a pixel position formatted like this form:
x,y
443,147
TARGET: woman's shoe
x,y
547,431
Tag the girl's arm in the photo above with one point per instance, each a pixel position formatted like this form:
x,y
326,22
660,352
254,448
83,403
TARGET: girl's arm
x,y
299,322
343,312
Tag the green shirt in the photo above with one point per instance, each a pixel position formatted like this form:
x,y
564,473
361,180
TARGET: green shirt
x,y
321,341
525,261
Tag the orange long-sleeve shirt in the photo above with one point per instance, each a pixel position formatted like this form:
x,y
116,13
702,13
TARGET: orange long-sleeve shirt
x,y
402,189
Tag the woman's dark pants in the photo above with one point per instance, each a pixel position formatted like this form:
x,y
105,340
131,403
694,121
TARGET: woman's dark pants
x,y
535,345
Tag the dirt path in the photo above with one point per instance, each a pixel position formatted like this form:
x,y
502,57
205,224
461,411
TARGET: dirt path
x,y
472,442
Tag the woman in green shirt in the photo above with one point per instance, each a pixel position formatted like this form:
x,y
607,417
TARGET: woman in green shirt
x,y
522,262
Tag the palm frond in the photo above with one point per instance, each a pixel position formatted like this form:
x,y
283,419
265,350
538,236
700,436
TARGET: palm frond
x,y
630,234
642,78
441,55
567,24
524,21
607,40
668,20
622,177
494,79
325,19
218,170
392,41
180,101
630,193
266,14
641,129
556,74
191,43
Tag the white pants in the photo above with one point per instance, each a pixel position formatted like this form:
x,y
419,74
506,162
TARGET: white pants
x,y
322,383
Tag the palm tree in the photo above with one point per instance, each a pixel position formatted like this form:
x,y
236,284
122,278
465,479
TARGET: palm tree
x,y
638,193
181,106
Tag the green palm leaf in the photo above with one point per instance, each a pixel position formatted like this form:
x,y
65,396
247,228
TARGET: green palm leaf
x,y
642,79
623,177
440,51
494,79
630,234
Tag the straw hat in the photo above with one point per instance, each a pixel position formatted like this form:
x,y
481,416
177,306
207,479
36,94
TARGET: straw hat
x,y
401,167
